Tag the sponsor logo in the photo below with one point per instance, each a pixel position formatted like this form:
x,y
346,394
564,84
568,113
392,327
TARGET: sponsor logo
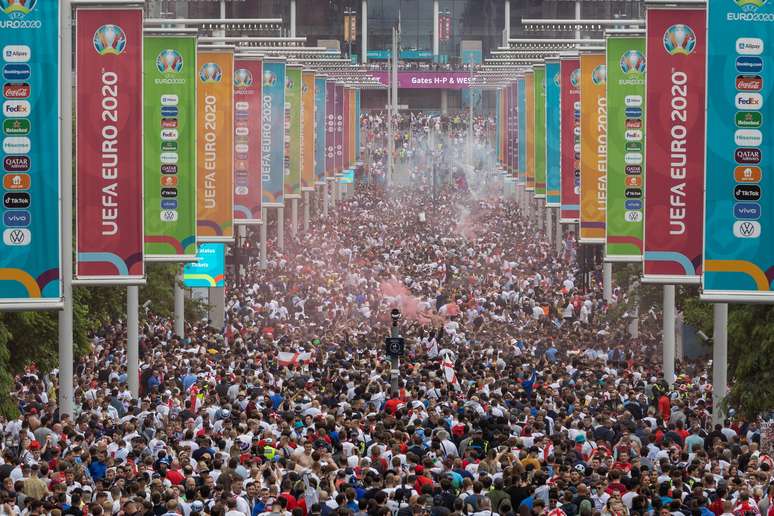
x,y
748,137
679,39
632,62
168,204
750,5
210,72
633,204
747,229
109,40
16,108
16,72
16,126
633,170
633,158
599,75
747,210
749,64
241,116
17,237
749,119
749,82
169,135
169,61
13,90
576,148
634,123
747,192
169,100
168,146
634,181
17,8
17,181
633,216
243,78
168,215
16,145
16,53
169,169
16,163
576,131
169,112
633,193
633,135
748,101
169,192
748,156
169,123
241,190
16,218
242,131
169,181
242,106
168,158
747,174
241,148
633,100
633,147
633,112
16,200
749,46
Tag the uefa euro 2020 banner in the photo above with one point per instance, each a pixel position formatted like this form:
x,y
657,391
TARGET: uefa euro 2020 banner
x,y
674,154
330,129
529,133
626,148
553,135
247,137
215,157
109,147
169,155
339,135
540,131
31,249
273,134
739,227
319,130
569,211
293,85
307,132
521,130
593,152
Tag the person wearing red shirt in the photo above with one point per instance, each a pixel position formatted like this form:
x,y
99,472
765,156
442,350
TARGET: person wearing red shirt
x,y
421,480
665,407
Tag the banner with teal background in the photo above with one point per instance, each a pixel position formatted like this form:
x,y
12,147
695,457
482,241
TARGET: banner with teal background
x,y
522,139
739,219
273,134
319,127
625,148
30,250
209,270
540,132
553,136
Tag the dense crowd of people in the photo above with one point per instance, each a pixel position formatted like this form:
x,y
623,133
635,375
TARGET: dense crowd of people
x,y
518,393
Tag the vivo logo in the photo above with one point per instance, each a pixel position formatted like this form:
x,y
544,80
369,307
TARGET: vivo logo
x,y
747,210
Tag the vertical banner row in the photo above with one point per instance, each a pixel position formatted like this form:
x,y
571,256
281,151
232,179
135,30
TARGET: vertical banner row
x,y
109,146
30,252
553,134
626,141
247,138
593,153
674,154
739,225
569,211
273,126
169,160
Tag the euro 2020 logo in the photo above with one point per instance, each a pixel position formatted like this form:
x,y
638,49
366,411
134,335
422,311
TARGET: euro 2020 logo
x,y
750,5
169,61
575,77
243,78
17,8
632,62
109,40
269,78
679,39
599,75
210,72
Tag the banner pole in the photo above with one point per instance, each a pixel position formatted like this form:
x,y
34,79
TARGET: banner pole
x,y
719,360
325,198
558,216
549,225
294,217
281,228
133,339
607,281
179,304
217,307
306,212
66,153
669,334
264,223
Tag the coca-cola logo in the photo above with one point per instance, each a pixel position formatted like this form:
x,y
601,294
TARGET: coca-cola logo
x,y
749,82
16,90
